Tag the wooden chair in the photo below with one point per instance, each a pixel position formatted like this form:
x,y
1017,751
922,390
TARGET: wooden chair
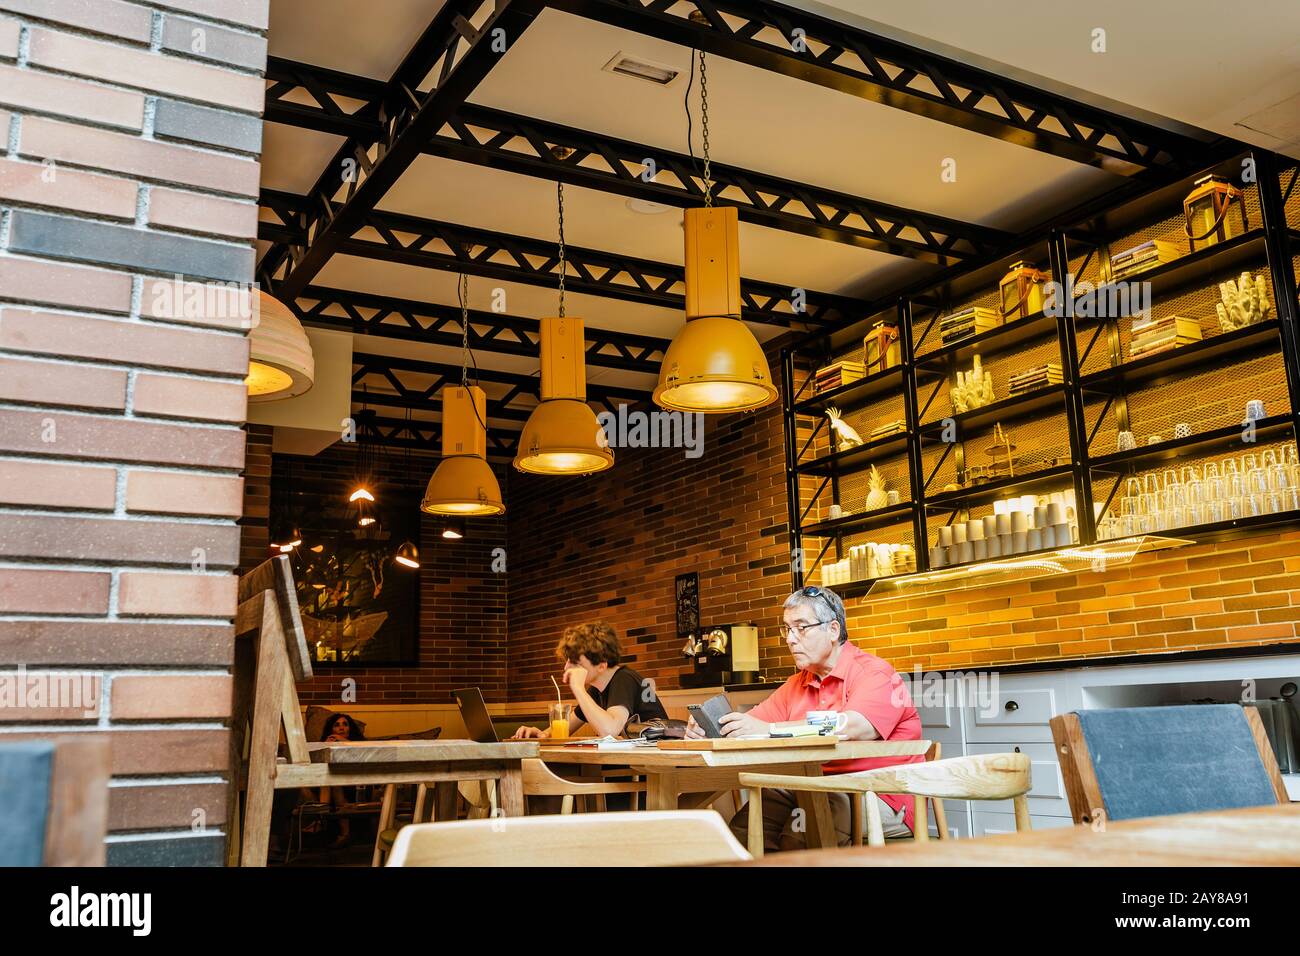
x,y
976,777
270,655
481,800
1124,763
653,838
54,802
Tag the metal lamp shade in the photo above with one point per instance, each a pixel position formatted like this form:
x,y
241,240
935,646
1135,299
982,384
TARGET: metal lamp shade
x,y
562,437
714,365
463,485
280,361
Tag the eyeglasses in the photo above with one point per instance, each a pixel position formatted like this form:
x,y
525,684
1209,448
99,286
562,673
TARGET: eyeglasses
x,y
798,629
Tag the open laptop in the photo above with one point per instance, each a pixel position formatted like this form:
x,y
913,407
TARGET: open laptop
x,y
474,712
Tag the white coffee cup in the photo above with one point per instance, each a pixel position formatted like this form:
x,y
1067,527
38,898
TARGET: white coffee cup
x,y
832,719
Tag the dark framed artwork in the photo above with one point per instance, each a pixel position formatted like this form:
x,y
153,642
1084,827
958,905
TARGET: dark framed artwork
x,y
359,606
688,603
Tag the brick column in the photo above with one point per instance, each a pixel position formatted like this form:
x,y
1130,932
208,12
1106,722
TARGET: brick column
x,y
129,137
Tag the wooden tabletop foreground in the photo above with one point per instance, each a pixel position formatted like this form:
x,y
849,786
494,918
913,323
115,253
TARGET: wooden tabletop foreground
x,y
1257,836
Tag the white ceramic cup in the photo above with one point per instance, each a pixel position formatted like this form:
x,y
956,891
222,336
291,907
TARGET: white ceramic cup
x,y
831,719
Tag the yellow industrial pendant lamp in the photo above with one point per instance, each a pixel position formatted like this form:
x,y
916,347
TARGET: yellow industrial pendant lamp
x,y
562,436
714,363
280,363
463,484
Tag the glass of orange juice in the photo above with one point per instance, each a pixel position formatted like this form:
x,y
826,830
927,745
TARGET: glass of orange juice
x,y
560,721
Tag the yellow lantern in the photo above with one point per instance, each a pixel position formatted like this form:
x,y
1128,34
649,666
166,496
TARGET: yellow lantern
x,y
1206,212
1022,291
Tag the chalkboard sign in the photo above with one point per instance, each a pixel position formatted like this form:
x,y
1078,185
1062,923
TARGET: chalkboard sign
x,y
688,603
1152,761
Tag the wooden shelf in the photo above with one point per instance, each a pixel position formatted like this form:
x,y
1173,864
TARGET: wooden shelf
x,y
864,521
1199,266
1000,339
856,458
854,394
1004,410
1221,439
998,488
1227,529
1168,365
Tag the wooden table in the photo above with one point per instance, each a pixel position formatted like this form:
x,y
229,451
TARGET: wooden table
x,y
705,774
1258,836
442,762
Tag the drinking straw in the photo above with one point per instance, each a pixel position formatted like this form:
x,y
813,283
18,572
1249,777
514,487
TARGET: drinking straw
x,y
559,699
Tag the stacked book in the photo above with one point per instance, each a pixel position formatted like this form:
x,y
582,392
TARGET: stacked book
x,y
1142,257
968,322
1151,336
1036,378
889,428
841,373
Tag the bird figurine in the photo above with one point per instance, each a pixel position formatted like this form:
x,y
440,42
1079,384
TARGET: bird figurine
x,y
849,438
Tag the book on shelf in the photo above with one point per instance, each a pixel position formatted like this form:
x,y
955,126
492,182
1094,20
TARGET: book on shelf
x,y
1157,335
1143,256
967,322
833,376
1036,378
896,427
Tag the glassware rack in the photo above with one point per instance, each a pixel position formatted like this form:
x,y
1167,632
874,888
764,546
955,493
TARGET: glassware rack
x,y
1110,427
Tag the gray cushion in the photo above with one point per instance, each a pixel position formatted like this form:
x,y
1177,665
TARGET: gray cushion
x,y
25,770
1152,761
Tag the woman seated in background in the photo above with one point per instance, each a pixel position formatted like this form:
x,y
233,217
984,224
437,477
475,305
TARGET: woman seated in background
x,y
607,694
342,727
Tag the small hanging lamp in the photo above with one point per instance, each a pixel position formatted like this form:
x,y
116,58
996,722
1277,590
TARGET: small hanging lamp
x,y
408,555
463,483
453,529
280,362
562,436
714,363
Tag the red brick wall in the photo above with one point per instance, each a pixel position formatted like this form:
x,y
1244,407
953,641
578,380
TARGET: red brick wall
x,y
1209,596
120,442
610,546
462,640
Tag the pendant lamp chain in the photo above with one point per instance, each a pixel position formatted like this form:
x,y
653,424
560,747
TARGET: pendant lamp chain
x,y
559,194
704,132
462,291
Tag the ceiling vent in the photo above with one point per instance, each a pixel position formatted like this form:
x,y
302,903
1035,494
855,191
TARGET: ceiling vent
x,y
641,69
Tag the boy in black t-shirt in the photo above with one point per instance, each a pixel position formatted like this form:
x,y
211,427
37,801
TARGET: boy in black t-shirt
x,y
607,694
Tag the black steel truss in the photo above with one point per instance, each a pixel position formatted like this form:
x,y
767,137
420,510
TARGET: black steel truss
x,y
386,370
390,317
452,247
457,55
802,45
422,435
519,144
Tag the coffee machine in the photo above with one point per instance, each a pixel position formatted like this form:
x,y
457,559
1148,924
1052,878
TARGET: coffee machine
x,y
722,654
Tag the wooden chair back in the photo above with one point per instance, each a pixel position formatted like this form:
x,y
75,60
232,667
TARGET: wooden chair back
x,y
54,800
270,655
654,838
1125,763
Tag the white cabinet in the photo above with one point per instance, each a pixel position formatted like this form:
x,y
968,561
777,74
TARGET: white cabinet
x,y
1014,713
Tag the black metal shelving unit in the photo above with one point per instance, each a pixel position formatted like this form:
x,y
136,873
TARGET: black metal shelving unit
x,y
1268,245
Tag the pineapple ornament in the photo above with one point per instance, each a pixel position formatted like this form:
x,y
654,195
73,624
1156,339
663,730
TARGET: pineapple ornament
x,y
876,496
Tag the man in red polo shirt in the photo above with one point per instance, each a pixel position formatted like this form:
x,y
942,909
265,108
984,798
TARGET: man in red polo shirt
x,y
833,675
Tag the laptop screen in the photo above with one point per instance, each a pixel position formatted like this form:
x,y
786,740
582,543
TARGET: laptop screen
x,y
474,712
